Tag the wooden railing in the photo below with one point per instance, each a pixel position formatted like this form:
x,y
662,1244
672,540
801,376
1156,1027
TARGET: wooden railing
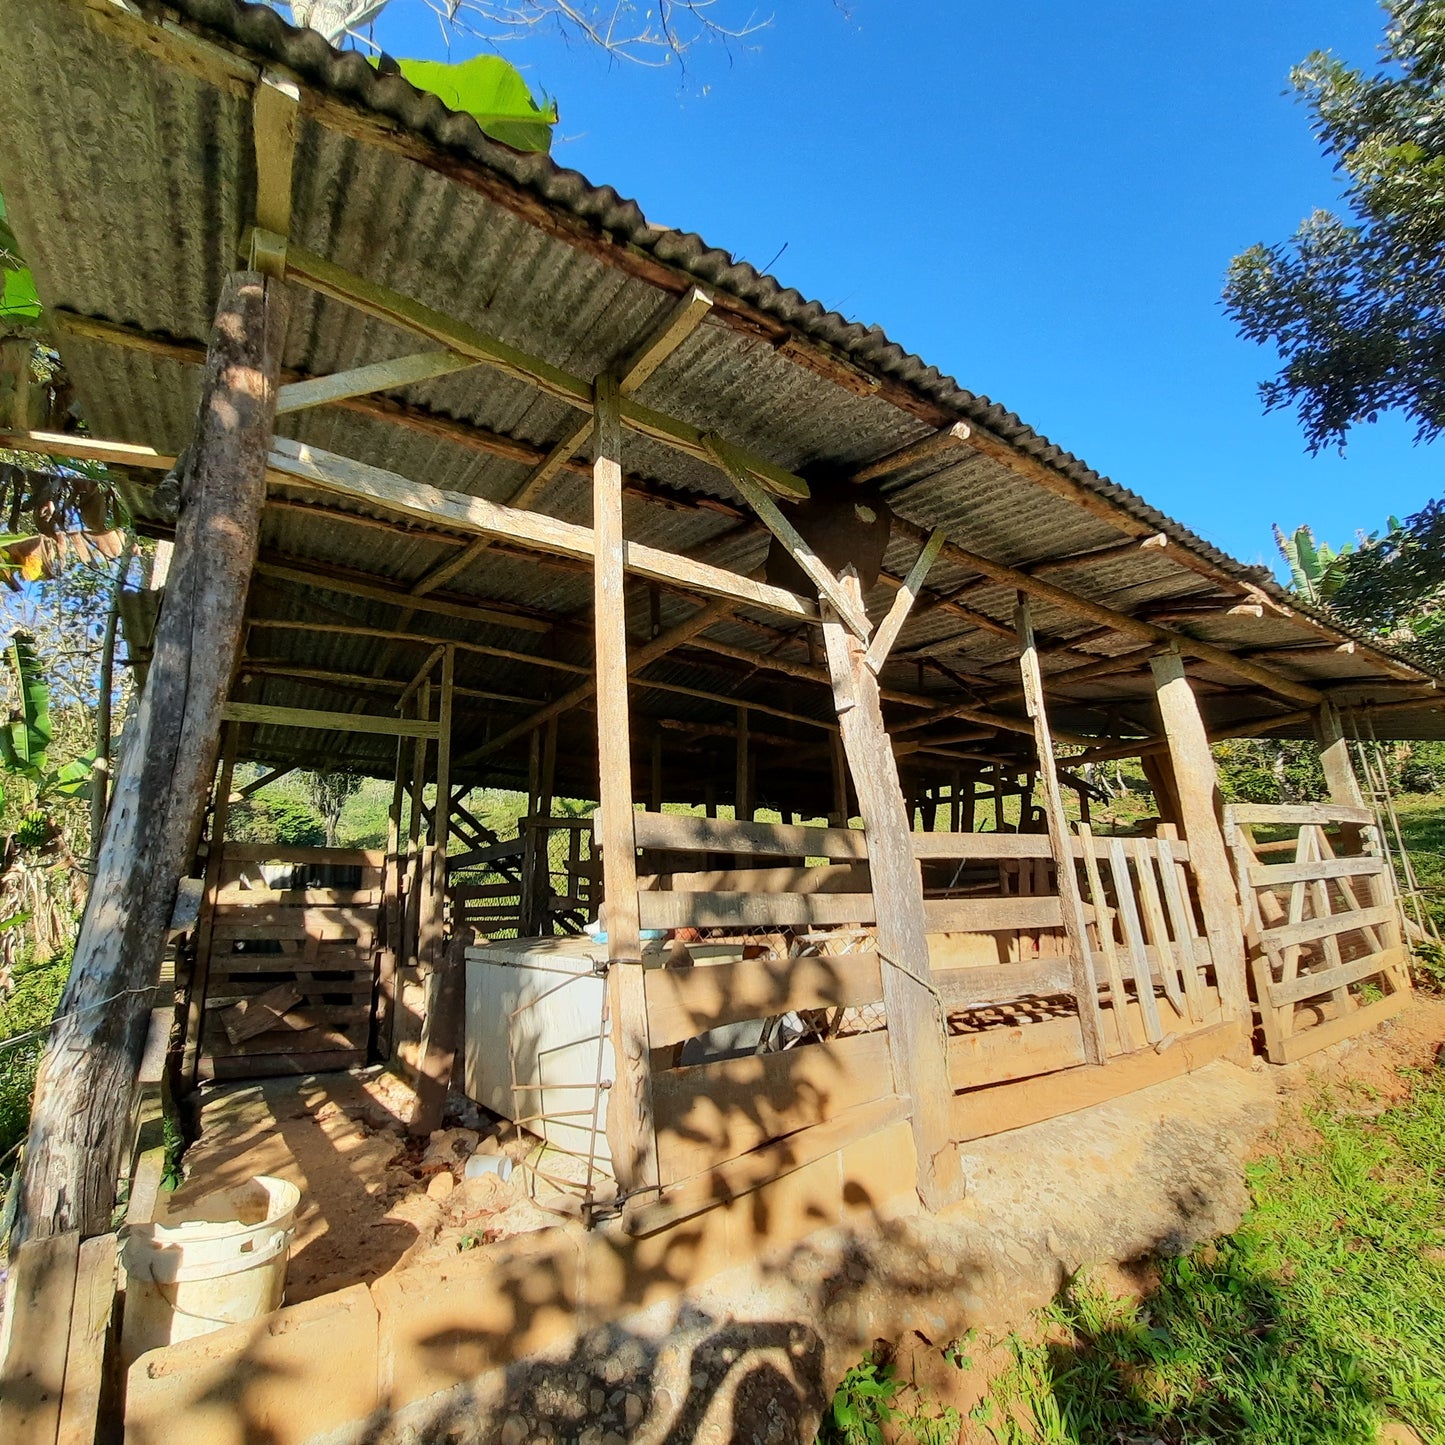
x,y
1001,970
1327,958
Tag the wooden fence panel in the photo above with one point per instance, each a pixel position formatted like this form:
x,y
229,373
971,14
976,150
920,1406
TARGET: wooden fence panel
x,y
1310,901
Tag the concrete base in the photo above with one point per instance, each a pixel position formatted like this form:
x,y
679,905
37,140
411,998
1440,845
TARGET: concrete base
x,y
754,1353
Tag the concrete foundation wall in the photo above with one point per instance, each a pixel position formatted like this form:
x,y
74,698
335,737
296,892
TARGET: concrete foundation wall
x,y
734,1324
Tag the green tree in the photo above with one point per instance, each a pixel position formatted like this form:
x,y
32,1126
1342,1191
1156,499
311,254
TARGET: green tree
x,y
1356,304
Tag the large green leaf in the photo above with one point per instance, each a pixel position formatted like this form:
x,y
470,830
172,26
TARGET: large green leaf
x,y
25,738
19,299
492,91
74,779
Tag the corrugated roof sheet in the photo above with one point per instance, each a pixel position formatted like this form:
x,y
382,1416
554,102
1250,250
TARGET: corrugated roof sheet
x,y
130,177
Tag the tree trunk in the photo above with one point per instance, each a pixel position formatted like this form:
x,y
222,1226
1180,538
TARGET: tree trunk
x,y
79,1131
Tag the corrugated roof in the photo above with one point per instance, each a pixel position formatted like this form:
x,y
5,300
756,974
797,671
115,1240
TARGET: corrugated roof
x,y
131,180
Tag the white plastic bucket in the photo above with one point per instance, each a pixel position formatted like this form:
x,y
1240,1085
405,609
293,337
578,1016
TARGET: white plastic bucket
x,y
221,1262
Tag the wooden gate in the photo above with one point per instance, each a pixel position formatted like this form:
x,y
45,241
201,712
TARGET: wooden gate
x,y
1327,959
286,960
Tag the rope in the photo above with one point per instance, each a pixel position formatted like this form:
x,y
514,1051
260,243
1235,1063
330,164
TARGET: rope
x,y
17,1039
923,983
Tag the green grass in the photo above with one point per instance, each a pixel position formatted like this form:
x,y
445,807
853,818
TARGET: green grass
x,y
29,1006
1322,1317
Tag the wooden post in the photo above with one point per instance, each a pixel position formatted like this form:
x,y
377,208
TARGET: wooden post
x,y
1200,818
630,1130
917,1043
1340,778
1061,844
441,815
390,917
742,783
206,920
79,1129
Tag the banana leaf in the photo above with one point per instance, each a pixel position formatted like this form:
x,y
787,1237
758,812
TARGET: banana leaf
x,y
26,737
493,93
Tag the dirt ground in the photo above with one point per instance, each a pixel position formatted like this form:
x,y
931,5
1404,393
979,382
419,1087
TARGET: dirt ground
x,y
1368,1074
372,1199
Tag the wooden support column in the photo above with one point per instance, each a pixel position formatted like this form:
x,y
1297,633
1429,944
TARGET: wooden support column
x,y
441,815
1201,819
630,1130
916,1039
206,920
1334,749
390,916
1061,843
80,1125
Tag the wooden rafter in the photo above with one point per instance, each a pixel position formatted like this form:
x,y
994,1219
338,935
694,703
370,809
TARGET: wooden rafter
x,y
377,376
892,624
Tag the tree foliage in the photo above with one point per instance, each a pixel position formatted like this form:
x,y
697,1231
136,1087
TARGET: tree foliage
x,y
1356,304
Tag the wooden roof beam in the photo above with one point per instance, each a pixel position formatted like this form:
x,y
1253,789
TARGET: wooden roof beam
x,y
923,450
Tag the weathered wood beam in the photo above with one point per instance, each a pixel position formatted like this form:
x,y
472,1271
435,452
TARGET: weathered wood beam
x,y
631,1133
797,546
80,1125
1120,621
892,624
1154,542
307,717
377,376
917,1045
372,485
275,112
239,795
943,440
1201,818
344,580
280,667
1081,964
86,449
381,301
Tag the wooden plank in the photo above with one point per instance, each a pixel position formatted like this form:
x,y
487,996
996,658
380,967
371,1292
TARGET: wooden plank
x,y
206,919
1273,875
916,1027
1296,815
324,921
992,915
710,1113
480,517
980,1113
1181,916
1155,929
964,988
306,717
378,376
722,835
750,1171
80,1124
90,1333
1104,931
1313,985
36,1336
1086,985
685,1002
1334,924
331,280
1333,1031
1133,934
443,1038
260,1014
1017,1051
234,894
981,846
631,1134
267,1066
1196,782
277,853
829,878
907,595
753,910
846,606
322,1038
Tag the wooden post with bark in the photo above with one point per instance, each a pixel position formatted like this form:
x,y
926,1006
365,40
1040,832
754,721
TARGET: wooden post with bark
x,y
917,1044
631,1133
1201,818
79,1130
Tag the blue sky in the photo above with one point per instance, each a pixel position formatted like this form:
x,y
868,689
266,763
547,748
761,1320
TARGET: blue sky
x,y
1039,198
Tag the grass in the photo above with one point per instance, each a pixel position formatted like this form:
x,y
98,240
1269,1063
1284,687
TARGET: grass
x,y
29,1006
1322,1317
